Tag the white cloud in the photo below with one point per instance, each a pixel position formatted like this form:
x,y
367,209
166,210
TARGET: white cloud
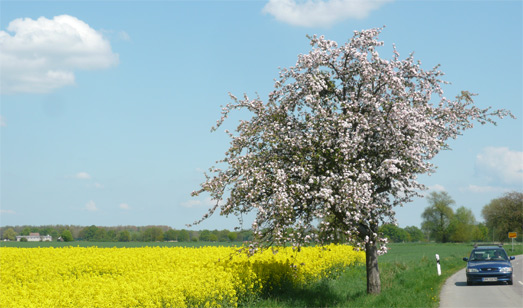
x,y
124,36
91,206
313,13
7,212
195,203
41,55
484,189
124,206
500,165
3,123
98,185
82,176
116,35
436,187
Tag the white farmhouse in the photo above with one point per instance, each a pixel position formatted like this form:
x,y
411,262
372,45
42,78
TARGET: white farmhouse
x,y
35,237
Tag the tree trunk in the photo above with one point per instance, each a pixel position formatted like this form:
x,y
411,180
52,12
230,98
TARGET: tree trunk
x,y
373,273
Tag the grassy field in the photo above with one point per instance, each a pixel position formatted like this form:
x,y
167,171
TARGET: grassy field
x,y
408,275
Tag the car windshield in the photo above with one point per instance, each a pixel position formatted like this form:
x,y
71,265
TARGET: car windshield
x,y
488,255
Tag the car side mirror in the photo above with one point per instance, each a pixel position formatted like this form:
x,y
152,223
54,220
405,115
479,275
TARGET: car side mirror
x,y
512,258
465,259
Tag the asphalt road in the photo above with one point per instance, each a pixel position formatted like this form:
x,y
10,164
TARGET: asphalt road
x,y
456,293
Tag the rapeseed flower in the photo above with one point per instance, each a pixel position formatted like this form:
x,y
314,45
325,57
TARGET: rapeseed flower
x,y
158,276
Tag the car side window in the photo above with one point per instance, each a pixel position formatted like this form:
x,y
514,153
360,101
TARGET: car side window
x,y
500,255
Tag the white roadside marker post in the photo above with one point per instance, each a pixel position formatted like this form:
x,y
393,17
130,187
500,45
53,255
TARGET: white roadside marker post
x,y
438,265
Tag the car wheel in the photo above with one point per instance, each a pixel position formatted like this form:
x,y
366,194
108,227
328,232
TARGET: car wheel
x,y
469,283
510,282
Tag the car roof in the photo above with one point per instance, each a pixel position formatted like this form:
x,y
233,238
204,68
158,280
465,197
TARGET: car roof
x,y
487,247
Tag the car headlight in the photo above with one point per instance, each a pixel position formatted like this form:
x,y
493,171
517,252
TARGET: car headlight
x,y
506,269
472,270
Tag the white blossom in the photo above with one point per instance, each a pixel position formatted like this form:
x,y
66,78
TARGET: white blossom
x,y
339,143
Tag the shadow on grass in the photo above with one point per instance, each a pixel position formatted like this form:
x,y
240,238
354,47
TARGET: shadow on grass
x,y
320,294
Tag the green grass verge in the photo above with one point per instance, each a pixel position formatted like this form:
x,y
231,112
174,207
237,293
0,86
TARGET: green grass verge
x,y
408,276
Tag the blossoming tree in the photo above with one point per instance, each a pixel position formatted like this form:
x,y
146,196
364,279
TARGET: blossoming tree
x,y
337,146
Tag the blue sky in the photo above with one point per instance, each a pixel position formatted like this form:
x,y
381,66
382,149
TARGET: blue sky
x,y
106,107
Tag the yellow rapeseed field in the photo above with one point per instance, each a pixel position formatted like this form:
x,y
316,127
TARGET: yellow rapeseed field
x,y
157,276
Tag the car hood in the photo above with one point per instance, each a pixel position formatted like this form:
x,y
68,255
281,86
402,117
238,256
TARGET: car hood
x,y
481,264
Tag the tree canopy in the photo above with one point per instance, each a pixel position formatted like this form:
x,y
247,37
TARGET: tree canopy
x,y
463,225
504,215
339,143
437,217
67,236
9,234
394,233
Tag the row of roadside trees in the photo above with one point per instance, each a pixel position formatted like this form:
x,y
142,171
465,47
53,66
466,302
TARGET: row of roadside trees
x,y
502,215
441,223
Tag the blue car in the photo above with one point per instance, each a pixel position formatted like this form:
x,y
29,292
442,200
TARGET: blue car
x,y
489,264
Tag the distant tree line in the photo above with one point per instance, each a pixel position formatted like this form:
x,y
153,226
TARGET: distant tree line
x,y
125,233
442,224
396,234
